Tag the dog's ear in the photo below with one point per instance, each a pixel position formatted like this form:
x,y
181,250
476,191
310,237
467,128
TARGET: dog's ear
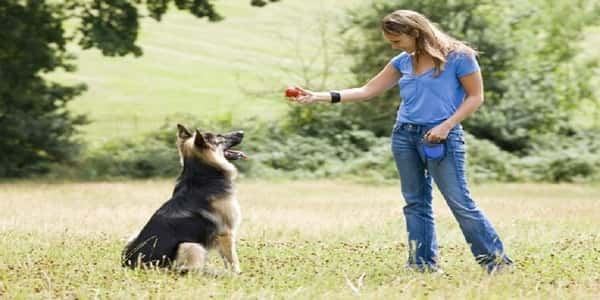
x,y
182,132
199,140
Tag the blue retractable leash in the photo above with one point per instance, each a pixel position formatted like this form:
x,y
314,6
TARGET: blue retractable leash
x,y
433,151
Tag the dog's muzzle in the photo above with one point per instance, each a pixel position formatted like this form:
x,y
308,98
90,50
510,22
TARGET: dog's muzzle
x,y
234,139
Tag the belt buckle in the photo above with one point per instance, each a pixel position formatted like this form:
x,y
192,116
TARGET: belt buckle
x,y
409,126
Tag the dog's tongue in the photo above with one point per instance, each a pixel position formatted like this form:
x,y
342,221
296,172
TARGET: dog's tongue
x,y
235,154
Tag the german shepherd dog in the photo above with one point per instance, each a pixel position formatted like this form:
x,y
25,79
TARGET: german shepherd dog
x,y
203,212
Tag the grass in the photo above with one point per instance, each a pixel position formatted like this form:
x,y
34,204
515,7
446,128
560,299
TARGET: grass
x,y
239,66
300,240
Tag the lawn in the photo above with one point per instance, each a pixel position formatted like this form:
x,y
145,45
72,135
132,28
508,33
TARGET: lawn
x,y
238,67
300,240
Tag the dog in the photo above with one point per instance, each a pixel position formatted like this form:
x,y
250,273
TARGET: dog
x,y
203,212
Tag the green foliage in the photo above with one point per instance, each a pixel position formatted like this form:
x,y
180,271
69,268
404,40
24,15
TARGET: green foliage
x,y
527,58
150,155
486,162
278,151
568,159
543,82
261,2
127,158
36,127
112,25
274,152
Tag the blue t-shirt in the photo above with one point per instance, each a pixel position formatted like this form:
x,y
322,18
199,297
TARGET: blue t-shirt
x,y
429,100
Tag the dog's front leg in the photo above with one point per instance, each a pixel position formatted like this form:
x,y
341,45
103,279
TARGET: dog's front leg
x,y
227,248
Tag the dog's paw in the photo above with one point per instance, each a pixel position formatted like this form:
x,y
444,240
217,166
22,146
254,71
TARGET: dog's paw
x,y
186,271
237,270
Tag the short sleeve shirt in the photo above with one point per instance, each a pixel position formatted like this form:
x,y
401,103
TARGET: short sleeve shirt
x,y
429,100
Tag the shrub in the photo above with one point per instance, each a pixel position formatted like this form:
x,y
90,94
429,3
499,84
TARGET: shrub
x,y
574,158
278,151
487,162
138,158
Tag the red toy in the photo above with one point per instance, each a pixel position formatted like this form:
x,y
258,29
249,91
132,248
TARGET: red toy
x,y
292,92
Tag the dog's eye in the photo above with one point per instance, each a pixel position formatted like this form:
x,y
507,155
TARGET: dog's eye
x,y
211,138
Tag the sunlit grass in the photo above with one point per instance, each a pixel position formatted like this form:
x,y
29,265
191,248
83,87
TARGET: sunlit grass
x,y
298,240
239,66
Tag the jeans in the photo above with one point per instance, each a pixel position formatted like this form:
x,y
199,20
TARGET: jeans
x,y
416,174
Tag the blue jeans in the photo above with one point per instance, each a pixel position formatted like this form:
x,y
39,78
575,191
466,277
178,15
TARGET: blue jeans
x,y
416,174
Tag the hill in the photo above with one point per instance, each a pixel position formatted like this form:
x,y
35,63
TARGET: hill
x,y
237,67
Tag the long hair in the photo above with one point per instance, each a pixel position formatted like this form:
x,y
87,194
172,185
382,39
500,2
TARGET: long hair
x,y
429,39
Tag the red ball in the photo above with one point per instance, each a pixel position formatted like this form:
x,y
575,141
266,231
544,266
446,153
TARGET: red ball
x,y
292,92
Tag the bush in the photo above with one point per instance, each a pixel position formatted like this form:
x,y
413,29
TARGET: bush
x,y
141,158
487,162
278,151
373,166
567,159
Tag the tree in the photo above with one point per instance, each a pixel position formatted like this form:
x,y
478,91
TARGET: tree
x,y
36,128
527,57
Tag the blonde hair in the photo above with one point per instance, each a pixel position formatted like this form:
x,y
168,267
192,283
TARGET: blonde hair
x,y
429,39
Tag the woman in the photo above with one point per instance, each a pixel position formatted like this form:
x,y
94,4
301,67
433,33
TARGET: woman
x,y
440,85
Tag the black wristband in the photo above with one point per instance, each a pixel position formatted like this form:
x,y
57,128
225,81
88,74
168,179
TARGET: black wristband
x,y
335,97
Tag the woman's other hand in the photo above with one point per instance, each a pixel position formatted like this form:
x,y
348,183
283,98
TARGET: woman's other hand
x,y
437,134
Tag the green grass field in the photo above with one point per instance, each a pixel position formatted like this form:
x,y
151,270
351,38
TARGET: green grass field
x,y
299,240
239,66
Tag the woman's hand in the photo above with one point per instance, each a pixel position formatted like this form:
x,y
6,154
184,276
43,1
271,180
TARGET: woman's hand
x,y
305,96
437,134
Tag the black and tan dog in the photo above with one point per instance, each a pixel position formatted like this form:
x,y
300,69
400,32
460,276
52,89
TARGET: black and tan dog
x,y
203,212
